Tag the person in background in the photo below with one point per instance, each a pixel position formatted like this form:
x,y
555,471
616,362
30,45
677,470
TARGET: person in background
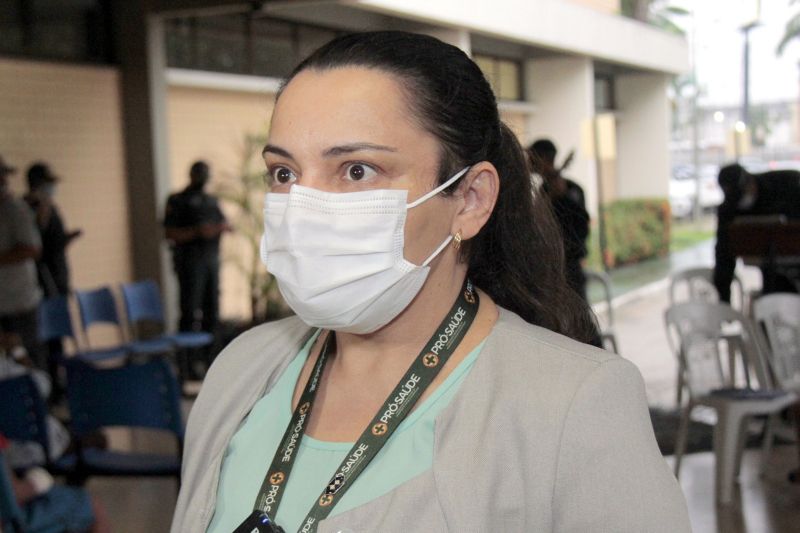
x,y
20,247
770,193
54,268
193,224
569,207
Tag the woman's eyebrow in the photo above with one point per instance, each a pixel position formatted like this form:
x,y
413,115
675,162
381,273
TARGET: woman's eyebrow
x,y
272,149
355,147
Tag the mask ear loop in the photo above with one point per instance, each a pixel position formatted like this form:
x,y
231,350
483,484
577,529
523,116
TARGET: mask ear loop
x,y
438,189
438,250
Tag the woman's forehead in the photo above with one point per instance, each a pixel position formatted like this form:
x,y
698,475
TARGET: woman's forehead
x,y
343,103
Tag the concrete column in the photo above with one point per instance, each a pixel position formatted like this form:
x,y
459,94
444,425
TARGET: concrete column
x,y
562,89
643,165
142,58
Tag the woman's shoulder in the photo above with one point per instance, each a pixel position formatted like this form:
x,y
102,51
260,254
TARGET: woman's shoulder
x,y
526,365
532,347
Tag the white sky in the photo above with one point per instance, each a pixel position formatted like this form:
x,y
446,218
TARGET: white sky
x,y
719,50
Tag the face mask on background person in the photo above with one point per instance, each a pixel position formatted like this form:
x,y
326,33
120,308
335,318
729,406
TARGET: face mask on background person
x,y
49,190
338,257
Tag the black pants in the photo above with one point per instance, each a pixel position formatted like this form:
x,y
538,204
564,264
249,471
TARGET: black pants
x,y
198,278
26,325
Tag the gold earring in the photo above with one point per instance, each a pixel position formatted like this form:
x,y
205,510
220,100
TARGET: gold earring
x,y
457,240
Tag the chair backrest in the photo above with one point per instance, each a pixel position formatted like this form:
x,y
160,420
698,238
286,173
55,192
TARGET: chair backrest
x,y
143,301
602,280
136,395
779,315
10,513
697,284
700,328
23,415
97,306
54,319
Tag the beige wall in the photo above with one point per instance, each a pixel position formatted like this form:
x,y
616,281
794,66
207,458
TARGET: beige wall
x,y
606,6
69,116
211,124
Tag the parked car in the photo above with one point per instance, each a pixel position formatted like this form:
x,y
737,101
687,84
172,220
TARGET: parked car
x,y
683,187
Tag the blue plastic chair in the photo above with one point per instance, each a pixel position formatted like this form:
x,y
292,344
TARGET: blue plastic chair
x,y
98,307
143,303
142,395
24,418
55,324
24,413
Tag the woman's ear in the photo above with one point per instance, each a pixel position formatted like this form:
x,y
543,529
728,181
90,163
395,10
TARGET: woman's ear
x,y
479,193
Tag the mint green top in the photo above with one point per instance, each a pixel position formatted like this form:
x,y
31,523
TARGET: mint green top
x,y
408,453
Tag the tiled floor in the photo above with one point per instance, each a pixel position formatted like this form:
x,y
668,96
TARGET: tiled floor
x,y
768,504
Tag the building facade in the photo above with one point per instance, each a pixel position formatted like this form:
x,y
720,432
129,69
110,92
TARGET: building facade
x,y
121,96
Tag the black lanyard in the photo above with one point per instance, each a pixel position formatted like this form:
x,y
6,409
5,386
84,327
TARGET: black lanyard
x,y
394,410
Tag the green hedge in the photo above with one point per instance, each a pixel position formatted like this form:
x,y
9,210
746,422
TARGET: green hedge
x,y
636,229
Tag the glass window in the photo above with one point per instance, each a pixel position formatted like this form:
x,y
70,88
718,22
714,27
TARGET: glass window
x,y
220,44
67,29
274,46
11,29
258,45
604,93
508,80
504,75
309,39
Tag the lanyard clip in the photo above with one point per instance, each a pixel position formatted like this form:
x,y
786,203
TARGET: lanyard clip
x,y
258,522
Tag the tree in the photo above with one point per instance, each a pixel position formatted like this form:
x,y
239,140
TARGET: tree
x,y
791,32
656,12
245,193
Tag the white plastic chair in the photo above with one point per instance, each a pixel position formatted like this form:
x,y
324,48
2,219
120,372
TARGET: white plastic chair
x,y
778,315
699,330
607,334
697,285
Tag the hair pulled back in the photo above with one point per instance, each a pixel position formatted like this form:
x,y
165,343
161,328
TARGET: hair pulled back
x,y
517,257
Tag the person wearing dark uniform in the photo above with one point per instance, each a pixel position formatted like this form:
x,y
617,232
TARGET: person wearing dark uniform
x,y
769,193
53,266
193,224
569,207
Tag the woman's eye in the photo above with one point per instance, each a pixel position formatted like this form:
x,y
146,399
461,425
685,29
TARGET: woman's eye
x,y
359,171
282,175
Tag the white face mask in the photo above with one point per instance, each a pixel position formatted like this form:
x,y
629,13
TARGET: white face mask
x,y
338,257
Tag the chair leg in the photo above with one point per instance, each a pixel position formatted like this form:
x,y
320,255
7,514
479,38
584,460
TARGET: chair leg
x,y
769,437
680,384
681,437
613,339
726,436
740,444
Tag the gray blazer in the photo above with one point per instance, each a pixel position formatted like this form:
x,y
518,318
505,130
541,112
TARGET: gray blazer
x,y
544,434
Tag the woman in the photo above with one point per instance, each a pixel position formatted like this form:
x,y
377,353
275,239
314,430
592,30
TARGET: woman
x,y
402,230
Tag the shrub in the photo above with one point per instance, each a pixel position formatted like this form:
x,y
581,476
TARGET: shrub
x,y
636,229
